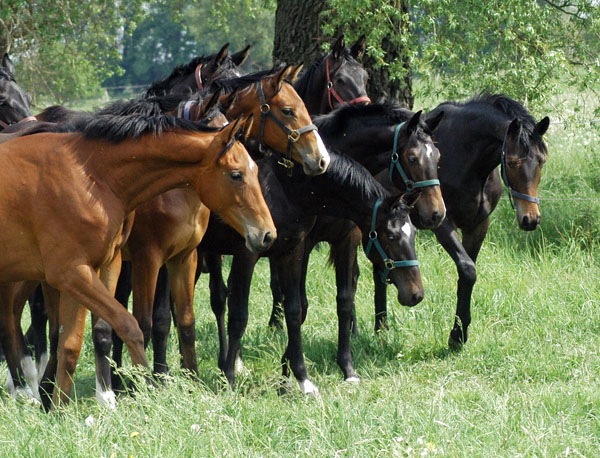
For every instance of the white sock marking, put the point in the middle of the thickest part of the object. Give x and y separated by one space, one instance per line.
105 397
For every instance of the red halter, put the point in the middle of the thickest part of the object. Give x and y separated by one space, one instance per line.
198 75
331 91
27 119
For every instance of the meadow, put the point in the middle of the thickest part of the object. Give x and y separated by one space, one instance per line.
526 383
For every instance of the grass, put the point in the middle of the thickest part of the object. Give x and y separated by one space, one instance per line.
526 383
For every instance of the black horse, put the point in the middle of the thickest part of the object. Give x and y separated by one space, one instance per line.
346 190
14 101
474 138
335 79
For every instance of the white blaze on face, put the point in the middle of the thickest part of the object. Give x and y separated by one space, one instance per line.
429 150
322 149
252 164
407 229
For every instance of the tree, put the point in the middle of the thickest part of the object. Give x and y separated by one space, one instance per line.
64 49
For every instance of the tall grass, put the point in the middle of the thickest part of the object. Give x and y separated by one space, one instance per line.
526 383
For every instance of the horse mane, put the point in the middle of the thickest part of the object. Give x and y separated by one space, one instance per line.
230 85
385 113
116 129
4 74
511 109
161 87
151 106
343 170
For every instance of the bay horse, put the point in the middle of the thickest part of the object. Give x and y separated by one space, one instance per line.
347 190
150 247
87 181
475 138
14 101
335 79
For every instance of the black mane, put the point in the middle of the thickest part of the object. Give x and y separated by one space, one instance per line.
230 85
301 85
162 87
512 110
4 74
347 172
116 129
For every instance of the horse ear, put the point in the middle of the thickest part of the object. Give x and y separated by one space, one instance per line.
222 55
276 81
338 48
234 128
7 64
410 198
248 126
240 57
358 49
414 122
214 99
228 100
434 121
542 126
295 72
514 129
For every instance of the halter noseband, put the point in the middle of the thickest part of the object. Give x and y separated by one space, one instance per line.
513 192
373 241
293 135
331 91
395 164
4 125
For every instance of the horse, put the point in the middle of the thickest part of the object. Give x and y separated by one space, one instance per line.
88 178
346 190
14 101
200 72
474 138
159 229
335 79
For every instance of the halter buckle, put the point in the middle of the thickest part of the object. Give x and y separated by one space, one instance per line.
294 136
265 108
286 163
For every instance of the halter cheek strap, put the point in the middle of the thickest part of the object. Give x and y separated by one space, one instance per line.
293 135
395 165
512 192
373 241
332 92
198 75
186 110
27 119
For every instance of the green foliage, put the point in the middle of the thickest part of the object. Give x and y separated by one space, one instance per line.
65 49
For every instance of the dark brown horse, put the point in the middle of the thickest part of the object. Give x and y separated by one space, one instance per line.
14 101
70 232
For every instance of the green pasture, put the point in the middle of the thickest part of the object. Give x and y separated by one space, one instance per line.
526 383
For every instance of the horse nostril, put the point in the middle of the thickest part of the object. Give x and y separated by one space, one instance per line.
268 239
416 298
323 163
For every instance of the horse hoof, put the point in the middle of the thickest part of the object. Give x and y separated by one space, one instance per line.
353 379
309 389
454 344
106 399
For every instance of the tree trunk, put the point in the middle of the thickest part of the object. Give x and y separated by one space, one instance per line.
297 31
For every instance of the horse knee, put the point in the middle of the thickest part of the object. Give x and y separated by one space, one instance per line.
102 338
467 272
187 334
130 332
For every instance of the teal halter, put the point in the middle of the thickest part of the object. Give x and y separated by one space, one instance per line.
410 184
389 263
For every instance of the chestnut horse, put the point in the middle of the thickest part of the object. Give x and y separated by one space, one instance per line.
67 228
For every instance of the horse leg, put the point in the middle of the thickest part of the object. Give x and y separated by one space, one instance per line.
289 269
36 334
52 300
345 257
161 321
102 338
145 274
447 236
182 270
277 311
355 275
218 298
380 296
122 293
22 378
242 268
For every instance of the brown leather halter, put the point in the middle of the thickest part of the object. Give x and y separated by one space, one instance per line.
331 91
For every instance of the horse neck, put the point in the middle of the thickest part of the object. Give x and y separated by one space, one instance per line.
139 169
329 196
314 93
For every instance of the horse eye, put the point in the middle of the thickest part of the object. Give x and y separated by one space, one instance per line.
287 111
512 164
413 160
237 176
